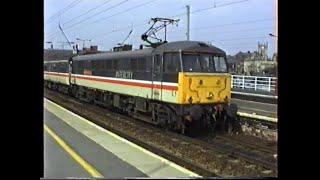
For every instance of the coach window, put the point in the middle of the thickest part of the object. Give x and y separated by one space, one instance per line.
75 67
64 67
94 66
87 65
80 67
54 67
57 67
60 67
45 67
51 67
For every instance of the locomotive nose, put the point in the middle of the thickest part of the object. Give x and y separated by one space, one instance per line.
204 88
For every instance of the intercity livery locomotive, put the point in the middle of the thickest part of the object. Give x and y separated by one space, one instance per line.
183 85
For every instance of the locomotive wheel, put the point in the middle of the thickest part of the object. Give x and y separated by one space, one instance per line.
180 126
162 117
230 128
168 120
236 126
213 123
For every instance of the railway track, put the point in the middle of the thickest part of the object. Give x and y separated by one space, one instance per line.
236 149
255 153
207 157
250 142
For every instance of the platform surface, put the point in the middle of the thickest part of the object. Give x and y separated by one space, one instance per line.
107 153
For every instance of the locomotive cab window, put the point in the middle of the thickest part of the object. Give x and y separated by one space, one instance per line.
191 63
203 63
220 64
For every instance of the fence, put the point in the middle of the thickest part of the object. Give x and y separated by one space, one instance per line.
254 83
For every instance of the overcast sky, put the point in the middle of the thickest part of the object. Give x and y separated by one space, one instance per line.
233 25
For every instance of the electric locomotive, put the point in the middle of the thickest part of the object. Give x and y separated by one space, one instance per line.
184 86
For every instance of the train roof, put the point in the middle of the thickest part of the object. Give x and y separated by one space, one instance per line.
111 55
56 61
189 46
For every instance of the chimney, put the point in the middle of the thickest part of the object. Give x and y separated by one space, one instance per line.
51 46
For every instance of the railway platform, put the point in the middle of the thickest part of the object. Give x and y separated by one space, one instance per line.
258 108
76 147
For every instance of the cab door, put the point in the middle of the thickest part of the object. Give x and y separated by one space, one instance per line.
157 77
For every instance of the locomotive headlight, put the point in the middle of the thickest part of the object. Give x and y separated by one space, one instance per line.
210 95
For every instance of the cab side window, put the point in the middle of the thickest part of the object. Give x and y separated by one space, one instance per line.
172 63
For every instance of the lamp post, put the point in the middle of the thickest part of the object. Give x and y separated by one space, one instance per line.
275 36
272 35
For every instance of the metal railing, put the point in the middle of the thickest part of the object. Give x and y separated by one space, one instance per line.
254 83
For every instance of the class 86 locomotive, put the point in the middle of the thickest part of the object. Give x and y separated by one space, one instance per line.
184 86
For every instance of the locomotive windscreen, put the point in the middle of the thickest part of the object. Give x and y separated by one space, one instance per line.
203 63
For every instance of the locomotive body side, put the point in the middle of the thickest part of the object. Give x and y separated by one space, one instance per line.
179 85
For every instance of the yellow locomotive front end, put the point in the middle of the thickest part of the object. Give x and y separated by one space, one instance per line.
195 87
204 79
204 88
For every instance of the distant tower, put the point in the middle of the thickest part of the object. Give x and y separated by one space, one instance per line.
263 51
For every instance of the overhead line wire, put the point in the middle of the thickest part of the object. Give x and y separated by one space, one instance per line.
60 12
96 7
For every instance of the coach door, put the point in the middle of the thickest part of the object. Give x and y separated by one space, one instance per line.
157 77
